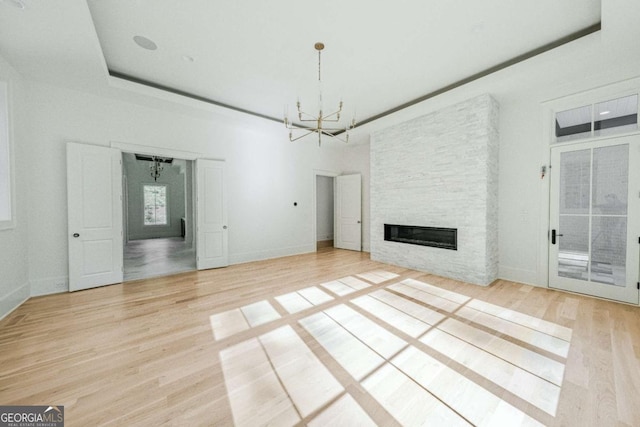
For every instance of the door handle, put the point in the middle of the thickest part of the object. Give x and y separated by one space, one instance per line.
76 235
554 235
224 227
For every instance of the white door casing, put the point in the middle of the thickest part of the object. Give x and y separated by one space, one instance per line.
94 200
594 209
212 248
348 212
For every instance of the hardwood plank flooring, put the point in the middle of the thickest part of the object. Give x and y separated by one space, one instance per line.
330 338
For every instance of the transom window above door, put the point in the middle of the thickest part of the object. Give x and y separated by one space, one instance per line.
615 116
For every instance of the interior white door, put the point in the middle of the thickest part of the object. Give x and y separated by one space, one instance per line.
212 248
94 200
348 212
594 211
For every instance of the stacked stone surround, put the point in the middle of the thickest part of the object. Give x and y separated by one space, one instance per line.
440 170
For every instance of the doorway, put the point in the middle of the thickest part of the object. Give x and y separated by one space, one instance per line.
324 211
158 213
337 210
594 211
96 214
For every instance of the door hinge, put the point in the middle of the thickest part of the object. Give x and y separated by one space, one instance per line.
638 285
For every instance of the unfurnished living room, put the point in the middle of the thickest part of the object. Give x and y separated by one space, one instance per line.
334 213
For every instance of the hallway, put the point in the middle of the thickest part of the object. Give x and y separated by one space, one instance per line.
157 257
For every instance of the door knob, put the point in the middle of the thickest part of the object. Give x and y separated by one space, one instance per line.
358 221
553 236
224 227
76 235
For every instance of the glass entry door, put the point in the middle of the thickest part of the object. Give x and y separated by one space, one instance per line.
595 218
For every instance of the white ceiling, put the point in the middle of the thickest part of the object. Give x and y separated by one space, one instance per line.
259 55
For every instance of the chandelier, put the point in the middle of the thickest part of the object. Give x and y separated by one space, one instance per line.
156 167
315 122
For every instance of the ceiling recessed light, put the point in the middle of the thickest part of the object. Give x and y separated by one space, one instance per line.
145 43
188 58
604 113
17 4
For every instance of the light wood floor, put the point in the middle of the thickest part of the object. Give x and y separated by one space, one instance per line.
323 339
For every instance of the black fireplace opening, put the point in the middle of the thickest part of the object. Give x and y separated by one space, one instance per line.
438 237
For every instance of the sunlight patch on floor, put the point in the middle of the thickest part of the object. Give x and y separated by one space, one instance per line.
475 403
343 412
237 320
408 402
275 377
408 344
231 322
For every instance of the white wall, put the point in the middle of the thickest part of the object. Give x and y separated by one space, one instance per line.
14 273
266 173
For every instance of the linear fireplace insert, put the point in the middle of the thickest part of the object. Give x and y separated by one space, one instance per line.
446 238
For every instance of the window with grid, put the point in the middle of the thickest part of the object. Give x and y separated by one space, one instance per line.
155 204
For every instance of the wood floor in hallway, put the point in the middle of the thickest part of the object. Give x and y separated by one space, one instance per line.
329 338
147 258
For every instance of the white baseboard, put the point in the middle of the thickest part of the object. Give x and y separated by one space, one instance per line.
270 254
50 285
527 277
13 300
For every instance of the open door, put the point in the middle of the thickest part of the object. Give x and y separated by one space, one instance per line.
348 212
94 190
212 248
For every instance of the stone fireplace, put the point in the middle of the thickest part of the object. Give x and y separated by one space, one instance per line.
439 172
